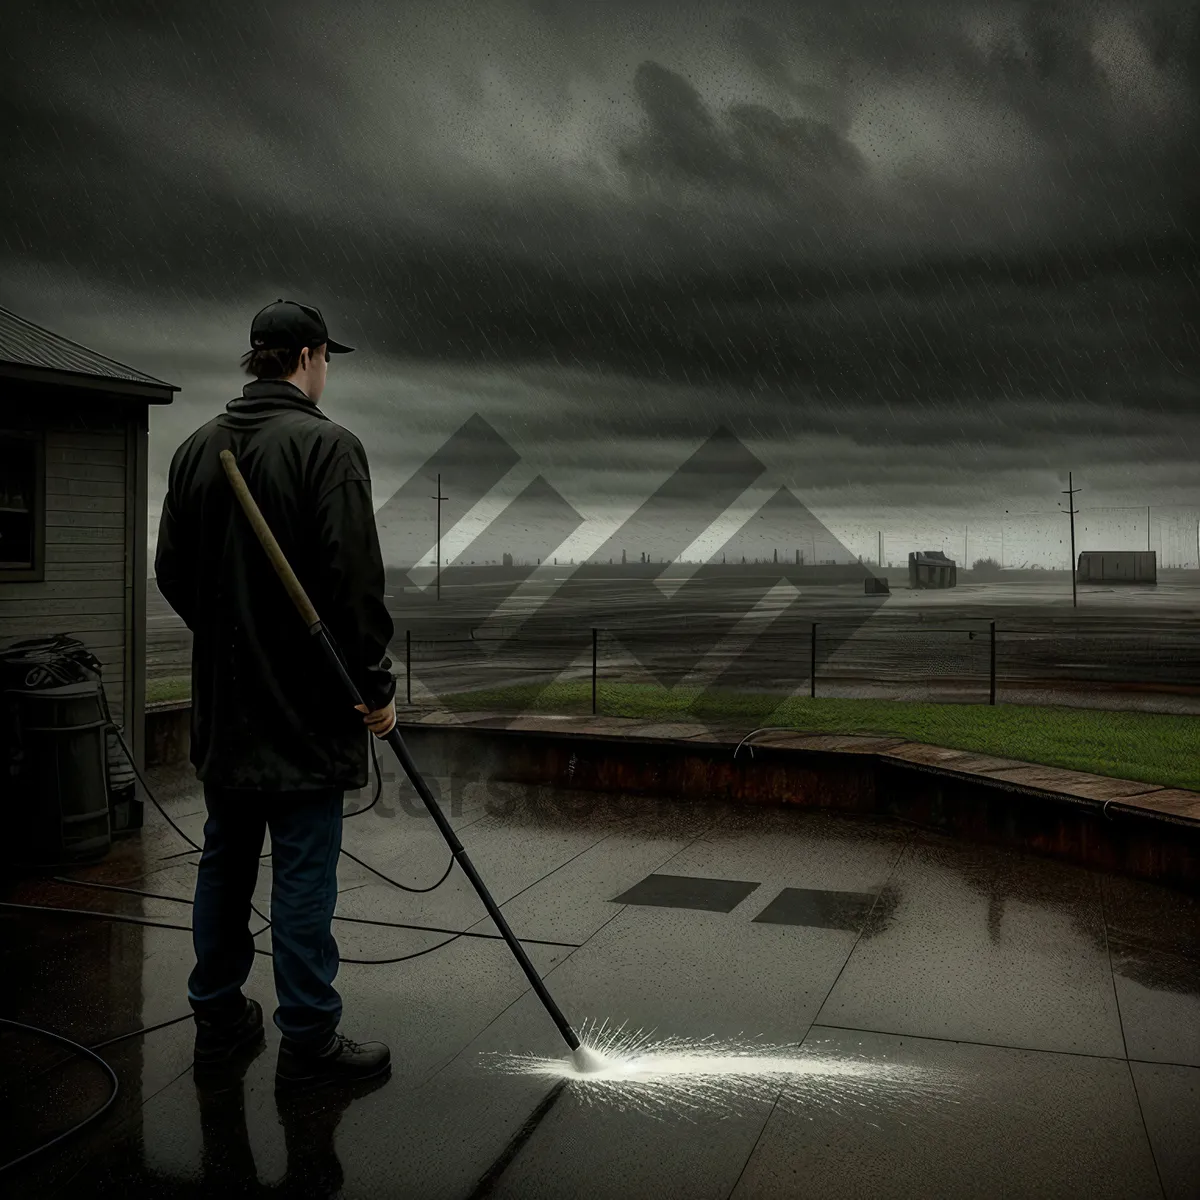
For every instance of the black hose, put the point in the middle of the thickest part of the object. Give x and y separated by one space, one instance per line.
112 1077
55 671
132 920
358 812
112 887
121 1037
347 816
401 886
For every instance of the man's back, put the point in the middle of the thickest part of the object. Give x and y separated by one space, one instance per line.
264 712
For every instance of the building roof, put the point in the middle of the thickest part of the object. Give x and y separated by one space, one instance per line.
29 352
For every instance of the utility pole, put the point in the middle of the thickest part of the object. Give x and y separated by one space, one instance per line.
1071 490
1147 527
439 498
966 533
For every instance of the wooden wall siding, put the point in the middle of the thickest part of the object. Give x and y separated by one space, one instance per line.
86 591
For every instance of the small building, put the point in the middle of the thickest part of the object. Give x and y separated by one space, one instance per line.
1117 566
931 569
74 427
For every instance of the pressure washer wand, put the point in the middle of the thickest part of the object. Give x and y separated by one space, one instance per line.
315 627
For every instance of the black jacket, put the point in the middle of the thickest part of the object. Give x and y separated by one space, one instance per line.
267 710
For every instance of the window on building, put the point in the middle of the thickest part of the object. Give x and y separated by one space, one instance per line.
21 521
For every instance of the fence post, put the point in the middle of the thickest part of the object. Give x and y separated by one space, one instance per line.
992 695
812 673
593 670
408 664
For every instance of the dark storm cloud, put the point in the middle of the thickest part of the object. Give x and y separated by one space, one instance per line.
953 226
759 149
211 143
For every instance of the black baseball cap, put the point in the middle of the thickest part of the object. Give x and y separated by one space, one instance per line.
293 326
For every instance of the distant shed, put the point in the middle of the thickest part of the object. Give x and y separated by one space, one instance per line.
1117 566
931 569
74 427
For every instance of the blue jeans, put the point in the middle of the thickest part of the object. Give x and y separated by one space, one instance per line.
306 837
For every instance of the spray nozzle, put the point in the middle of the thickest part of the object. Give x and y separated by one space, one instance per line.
587 1060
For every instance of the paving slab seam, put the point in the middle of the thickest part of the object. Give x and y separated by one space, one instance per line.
595 932
565 863
775 1103
138 919
904 847
438 1070
1112 975
62 1188
1162 1062
931 1037
495 1172
603 925
586 850
757 1141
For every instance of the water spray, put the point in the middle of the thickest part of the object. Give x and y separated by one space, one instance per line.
678 1077
584 1060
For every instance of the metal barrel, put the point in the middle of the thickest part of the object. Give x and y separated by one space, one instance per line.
61 804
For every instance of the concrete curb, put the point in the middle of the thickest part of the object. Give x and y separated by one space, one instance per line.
1140 829
1102 791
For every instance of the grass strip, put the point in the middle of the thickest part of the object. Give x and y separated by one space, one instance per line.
1153 748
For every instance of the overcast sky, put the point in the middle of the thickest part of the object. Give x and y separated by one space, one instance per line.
920 260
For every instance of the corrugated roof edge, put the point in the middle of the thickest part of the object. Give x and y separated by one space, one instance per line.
132 374
111 385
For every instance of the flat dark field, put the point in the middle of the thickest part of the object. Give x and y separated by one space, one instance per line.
1122 646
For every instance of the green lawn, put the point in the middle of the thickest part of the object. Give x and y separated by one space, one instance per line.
1153 748
172 687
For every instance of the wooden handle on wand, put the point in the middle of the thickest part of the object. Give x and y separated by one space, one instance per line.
259 523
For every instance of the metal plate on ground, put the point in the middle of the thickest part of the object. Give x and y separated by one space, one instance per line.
687 891
820 909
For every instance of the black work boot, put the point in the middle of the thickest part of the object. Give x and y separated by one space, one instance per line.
339 1061
221 1041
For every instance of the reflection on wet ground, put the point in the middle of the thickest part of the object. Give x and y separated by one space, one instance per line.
800 1003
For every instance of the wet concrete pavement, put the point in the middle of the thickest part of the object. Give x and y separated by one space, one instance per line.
1001 1024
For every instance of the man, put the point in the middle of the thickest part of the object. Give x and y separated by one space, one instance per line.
274 739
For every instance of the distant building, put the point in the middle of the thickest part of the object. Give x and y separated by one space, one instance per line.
1117 566
508 560
931 569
